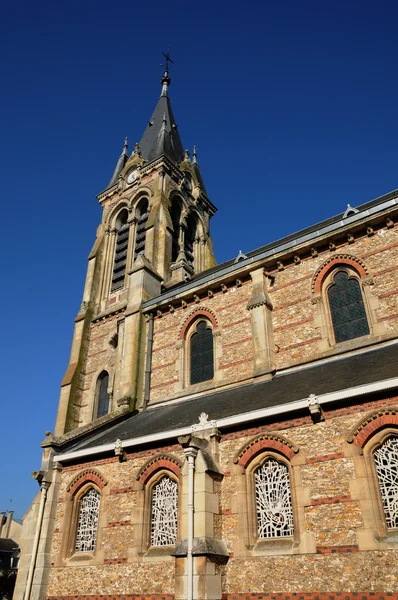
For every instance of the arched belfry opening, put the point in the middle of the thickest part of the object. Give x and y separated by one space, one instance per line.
175 215
142 215
122 241
189 239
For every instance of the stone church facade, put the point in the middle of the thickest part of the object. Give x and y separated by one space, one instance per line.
224 431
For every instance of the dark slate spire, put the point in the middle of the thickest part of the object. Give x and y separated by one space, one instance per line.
120 164
161 135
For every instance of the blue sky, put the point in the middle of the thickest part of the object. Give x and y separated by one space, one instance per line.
292 106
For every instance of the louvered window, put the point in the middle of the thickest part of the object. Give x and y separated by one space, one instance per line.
175 214
140 232
119 266
347 308
190 234
202 355
102 395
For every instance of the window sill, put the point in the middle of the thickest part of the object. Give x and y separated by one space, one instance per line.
273 546
159 553
82 558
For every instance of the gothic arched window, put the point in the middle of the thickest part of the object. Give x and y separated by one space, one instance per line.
273 500
87 523
201 353
347 308
102 395
140 232
122 240
386 463
175 215
164 512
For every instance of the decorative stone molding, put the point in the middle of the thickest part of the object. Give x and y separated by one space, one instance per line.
335 260
124 401
156 463
261 443
86 476
199 310
371 423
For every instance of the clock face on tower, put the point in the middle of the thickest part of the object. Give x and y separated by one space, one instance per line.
132 176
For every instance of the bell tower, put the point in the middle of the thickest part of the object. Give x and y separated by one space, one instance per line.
154 233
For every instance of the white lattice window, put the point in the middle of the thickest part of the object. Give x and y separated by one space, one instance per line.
88 521
164 512
386 461
273 500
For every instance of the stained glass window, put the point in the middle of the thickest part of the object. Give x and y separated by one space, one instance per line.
386 461
164 512
347 308
273 500
202 357
140 232
122 240
102 394
88 521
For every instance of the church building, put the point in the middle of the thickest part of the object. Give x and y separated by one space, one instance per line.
224 431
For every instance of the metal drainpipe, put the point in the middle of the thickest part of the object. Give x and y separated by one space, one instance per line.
43 488
191 454
148 364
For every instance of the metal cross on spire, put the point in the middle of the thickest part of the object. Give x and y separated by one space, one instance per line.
168 59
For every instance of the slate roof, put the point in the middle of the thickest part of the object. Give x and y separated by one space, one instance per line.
161 135
336 374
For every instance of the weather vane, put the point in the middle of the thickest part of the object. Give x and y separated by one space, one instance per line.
168 59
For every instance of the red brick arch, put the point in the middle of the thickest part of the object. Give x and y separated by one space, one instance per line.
205 312
339 260
361 433
261 444
157 463
87 476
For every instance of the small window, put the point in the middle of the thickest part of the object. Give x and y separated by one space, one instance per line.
273 500
386 462
122 241
201 353
102 395
87 525
347 308
140 233
164 512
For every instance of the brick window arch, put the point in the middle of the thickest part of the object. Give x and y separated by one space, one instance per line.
272 508
160 480
376 435
82 530
344 306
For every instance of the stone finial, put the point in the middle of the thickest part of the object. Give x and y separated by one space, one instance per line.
204 423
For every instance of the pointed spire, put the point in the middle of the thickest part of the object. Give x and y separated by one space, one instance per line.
194 156
120 164
161 135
